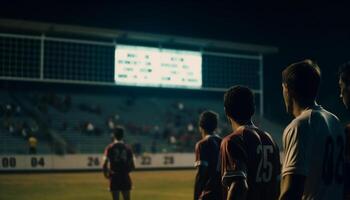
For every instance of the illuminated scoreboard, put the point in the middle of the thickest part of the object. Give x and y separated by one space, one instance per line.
144 66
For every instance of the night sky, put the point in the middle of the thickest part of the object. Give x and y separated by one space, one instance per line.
305 30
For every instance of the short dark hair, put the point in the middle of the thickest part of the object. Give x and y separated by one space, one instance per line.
239 103
118 132
303 81
208 121
344 73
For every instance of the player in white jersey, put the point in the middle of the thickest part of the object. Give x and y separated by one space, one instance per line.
313 143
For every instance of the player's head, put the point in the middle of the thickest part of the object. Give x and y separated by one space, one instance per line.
300 82
118 133
344 84
208 122
239 104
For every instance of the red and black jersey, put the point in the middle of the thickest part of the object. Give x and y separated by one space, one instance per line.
251 154
120 158
208 180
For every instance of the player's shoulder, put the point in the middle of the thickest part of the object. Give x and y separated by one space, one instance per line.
235 135
265 134
202 142
234 142
299 122
127 146
217 138
329 113
308 119
302 119
118 145
296 127
314 115
252 130
252 134
110 145
320 111
212 138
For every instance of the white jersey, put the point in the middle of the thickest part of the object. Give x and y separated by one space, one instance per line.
314 147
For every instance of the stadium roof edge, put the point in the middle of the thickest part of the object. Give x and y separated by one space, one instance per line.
43 28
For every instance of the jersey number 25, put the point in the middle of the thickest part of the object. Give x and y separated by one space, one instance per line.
264 172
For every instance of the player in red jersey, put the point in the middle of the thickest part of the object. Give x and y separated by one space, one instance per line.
208 184
250 163
118 163
344 84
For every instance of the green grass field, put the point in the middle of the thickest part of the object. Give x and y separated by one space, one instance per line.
148 185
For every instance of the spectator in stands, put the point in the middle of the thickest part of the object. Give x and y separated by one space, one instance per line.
33 142
8 110
154 146
24 132
110 123
137 148
156 134
24 129
166 131
180 106
11 129
173 142
190 127
90 128
18 110
185 141
87 128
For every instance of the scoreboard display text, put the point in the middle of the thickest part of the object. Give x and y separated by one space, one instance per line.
145 66
89 162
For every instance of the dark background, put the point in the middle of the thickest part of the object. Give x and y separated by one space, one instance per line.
320 31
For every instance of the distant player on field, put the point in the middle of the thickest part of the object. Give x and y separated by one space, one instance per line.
344 84
118 163
313 143
208 181
250 163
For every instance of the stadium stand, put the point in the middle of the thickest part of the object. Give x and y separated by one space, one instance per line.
81 123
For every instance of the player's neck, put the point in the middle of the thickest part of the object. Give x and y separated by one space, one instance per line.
235 125
118 141
204 135
297 109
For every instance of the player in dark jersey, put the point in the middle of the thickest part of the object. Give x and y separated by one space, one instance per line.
250 163
344 84
118 163
208 180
